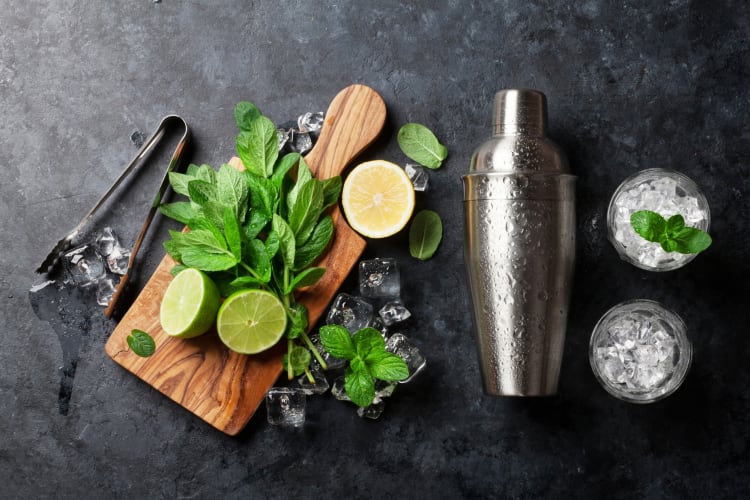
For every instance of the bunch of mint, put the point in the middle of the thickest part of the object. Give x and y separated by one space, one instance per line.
671 234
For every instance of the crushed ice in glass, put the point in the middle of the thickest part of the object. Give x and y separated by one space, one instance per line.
286 406
419 176
319 387
351 312
379 278
664 196
373 411
401 346
637 354
393 312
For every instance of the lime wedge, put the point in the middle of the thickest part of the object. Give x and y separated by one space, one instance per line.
251 321
189 306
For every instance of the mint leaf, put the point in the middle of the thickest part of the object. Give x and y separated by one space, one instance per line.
649 225
331 191
181 211
420 144
179 182
360 387
244 115
687 240
257 146
315 244
337 341
202 250
425 234
388 367
305 210
287 244
299 359
141 343
232 190
307 277
232 233
366 340
298 321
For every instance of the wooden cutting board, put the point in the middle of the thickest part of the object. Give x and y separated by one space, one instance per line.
220 386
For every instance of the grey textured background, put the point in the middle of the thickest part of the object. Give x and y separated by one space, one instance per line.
630 85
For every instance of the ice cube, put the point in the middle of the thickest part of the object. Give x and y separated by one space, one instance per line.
319 387
384 389
285 406
393 312
311 122
353 313
373 411
117 261
338 390
104 291
400 345
107 241
83 265
299 142
419 176
380 278
282 137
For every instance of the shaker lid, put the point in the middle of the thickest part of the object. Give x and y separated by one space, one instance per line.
520 111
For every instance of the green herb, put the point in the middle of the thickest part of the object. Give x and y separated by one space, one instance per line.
420 144
141 343
368 360
671 234
260 228
425 234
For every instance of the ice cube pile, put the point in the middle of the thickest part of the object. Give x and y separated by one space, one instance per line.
378 305
298 136
99 264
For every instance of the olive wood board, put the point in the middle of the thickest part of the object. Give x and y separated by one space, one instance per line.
220 386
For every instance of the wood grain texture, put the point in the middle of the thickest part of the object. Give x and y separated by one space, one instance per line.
220 386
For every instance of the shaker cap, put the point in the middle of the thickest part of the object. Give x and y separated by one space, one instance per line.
520 111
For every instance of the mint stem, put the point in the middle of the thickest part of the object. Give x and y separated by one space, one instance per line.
314 351
289 369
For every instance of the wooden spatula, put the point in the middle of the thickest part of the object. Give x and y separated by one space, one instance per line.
222 387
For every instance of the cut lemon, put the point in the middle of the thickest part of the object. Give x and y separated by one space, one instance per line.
189 306
251 321
378 198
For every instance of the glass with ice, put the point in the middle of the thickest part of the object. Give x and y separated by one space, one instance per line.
665 192
639 351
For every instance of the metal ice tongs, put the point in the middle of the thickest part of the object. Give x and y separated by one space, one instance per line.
152 141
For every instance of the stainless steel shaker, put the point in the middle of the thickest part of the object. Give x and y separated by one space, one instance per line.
519 248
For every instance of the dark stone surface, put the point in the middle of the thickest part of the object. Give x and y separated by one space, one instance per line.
630 85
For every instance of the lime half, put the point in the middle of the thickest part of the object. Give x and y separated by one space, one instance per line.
189 306
251 321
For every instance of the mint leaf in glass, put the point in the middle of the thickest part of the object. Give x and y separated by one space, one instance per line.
671 234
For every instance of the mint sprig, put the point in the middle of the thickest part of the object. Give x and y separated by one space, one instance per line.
368 360
671 234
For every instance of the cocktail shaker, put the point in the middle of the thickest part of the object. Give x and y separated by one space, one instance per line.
519 248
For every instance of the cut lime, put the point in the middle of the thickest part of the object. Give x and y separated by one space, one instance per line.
189 306
251 321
